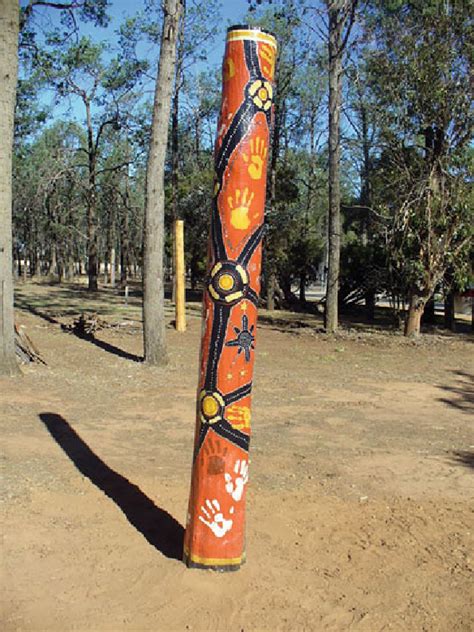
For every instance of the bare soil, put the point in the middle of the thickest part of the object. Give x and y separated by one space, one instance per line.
360 505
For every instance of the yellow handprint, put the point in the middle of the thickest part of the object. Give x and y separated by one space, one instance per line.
258 153
240 209
239 417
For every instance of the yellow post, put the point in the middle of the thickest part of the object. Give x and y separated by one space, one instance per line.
180 289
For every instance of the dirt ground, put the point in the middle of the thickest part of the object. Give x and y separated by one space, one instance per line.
360 504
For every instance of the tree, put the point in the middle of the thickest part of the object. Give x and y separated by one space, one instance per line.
292 246
48 189
9 25
360 272
10 22
153 287
81 71
424 182
341 15
338 16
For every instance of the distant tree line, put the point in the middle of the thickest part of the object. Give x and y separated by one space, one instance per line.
370 174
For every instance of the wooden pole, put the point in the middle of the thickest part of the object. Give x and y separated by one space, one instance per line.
215 528
180 293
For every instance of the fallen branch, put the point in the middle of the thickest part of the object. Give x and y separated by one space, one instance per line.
25 349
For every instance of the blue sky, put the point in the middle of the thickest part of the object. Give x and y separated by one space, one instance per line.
232 11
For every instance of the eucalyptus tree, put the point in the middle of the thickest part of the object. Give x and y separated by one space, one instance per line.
420 68
362 272
14 22
153 279
199 105
9 23
48 213
82 71
340 19
294 72
330 22
197 30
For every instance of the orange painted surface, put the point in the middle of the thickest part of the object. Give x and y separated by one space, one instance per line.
215 529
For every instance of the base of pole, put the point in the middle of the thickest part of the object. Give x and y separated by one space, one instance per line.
213 564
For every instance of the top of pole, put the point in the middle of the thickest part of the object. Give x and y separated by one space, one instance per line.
246 32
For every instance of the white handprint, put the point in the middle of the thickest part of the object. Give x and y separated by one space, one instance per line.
236 487
214 519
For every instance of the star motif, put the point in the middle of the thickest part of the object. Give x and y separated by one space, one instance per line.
244 338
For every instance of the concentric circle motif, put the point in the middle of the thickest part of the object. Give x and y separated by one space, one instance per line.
227 283
261 93
211 407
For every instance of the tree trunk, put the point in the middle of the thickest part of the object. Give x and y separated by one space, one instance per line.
415 312
174 123
175 149
18 262
370 304
194 269
429 314
365 200
92 248
53 263
334 214
303 288
112 266
124 250
449 313
270 266
9 16
153 282
271 285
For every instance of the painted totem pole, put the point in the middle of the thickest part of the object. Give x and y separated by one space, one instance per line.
215 529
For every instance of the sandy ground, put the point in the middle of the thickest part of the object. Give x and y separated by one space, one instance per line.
360 505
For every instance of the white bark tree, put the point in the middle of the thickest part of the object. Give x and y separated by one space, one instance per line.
9 25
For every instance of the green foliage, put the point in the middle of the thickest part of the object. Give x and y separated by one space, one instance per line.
407 158
419 69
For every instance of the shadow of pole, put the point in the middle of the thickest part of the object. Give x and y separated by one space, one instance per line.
106 346
159 528
463 457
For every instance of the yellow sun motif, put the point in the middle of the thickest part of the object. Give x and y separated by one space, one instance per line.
226 282
212 406
209 406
